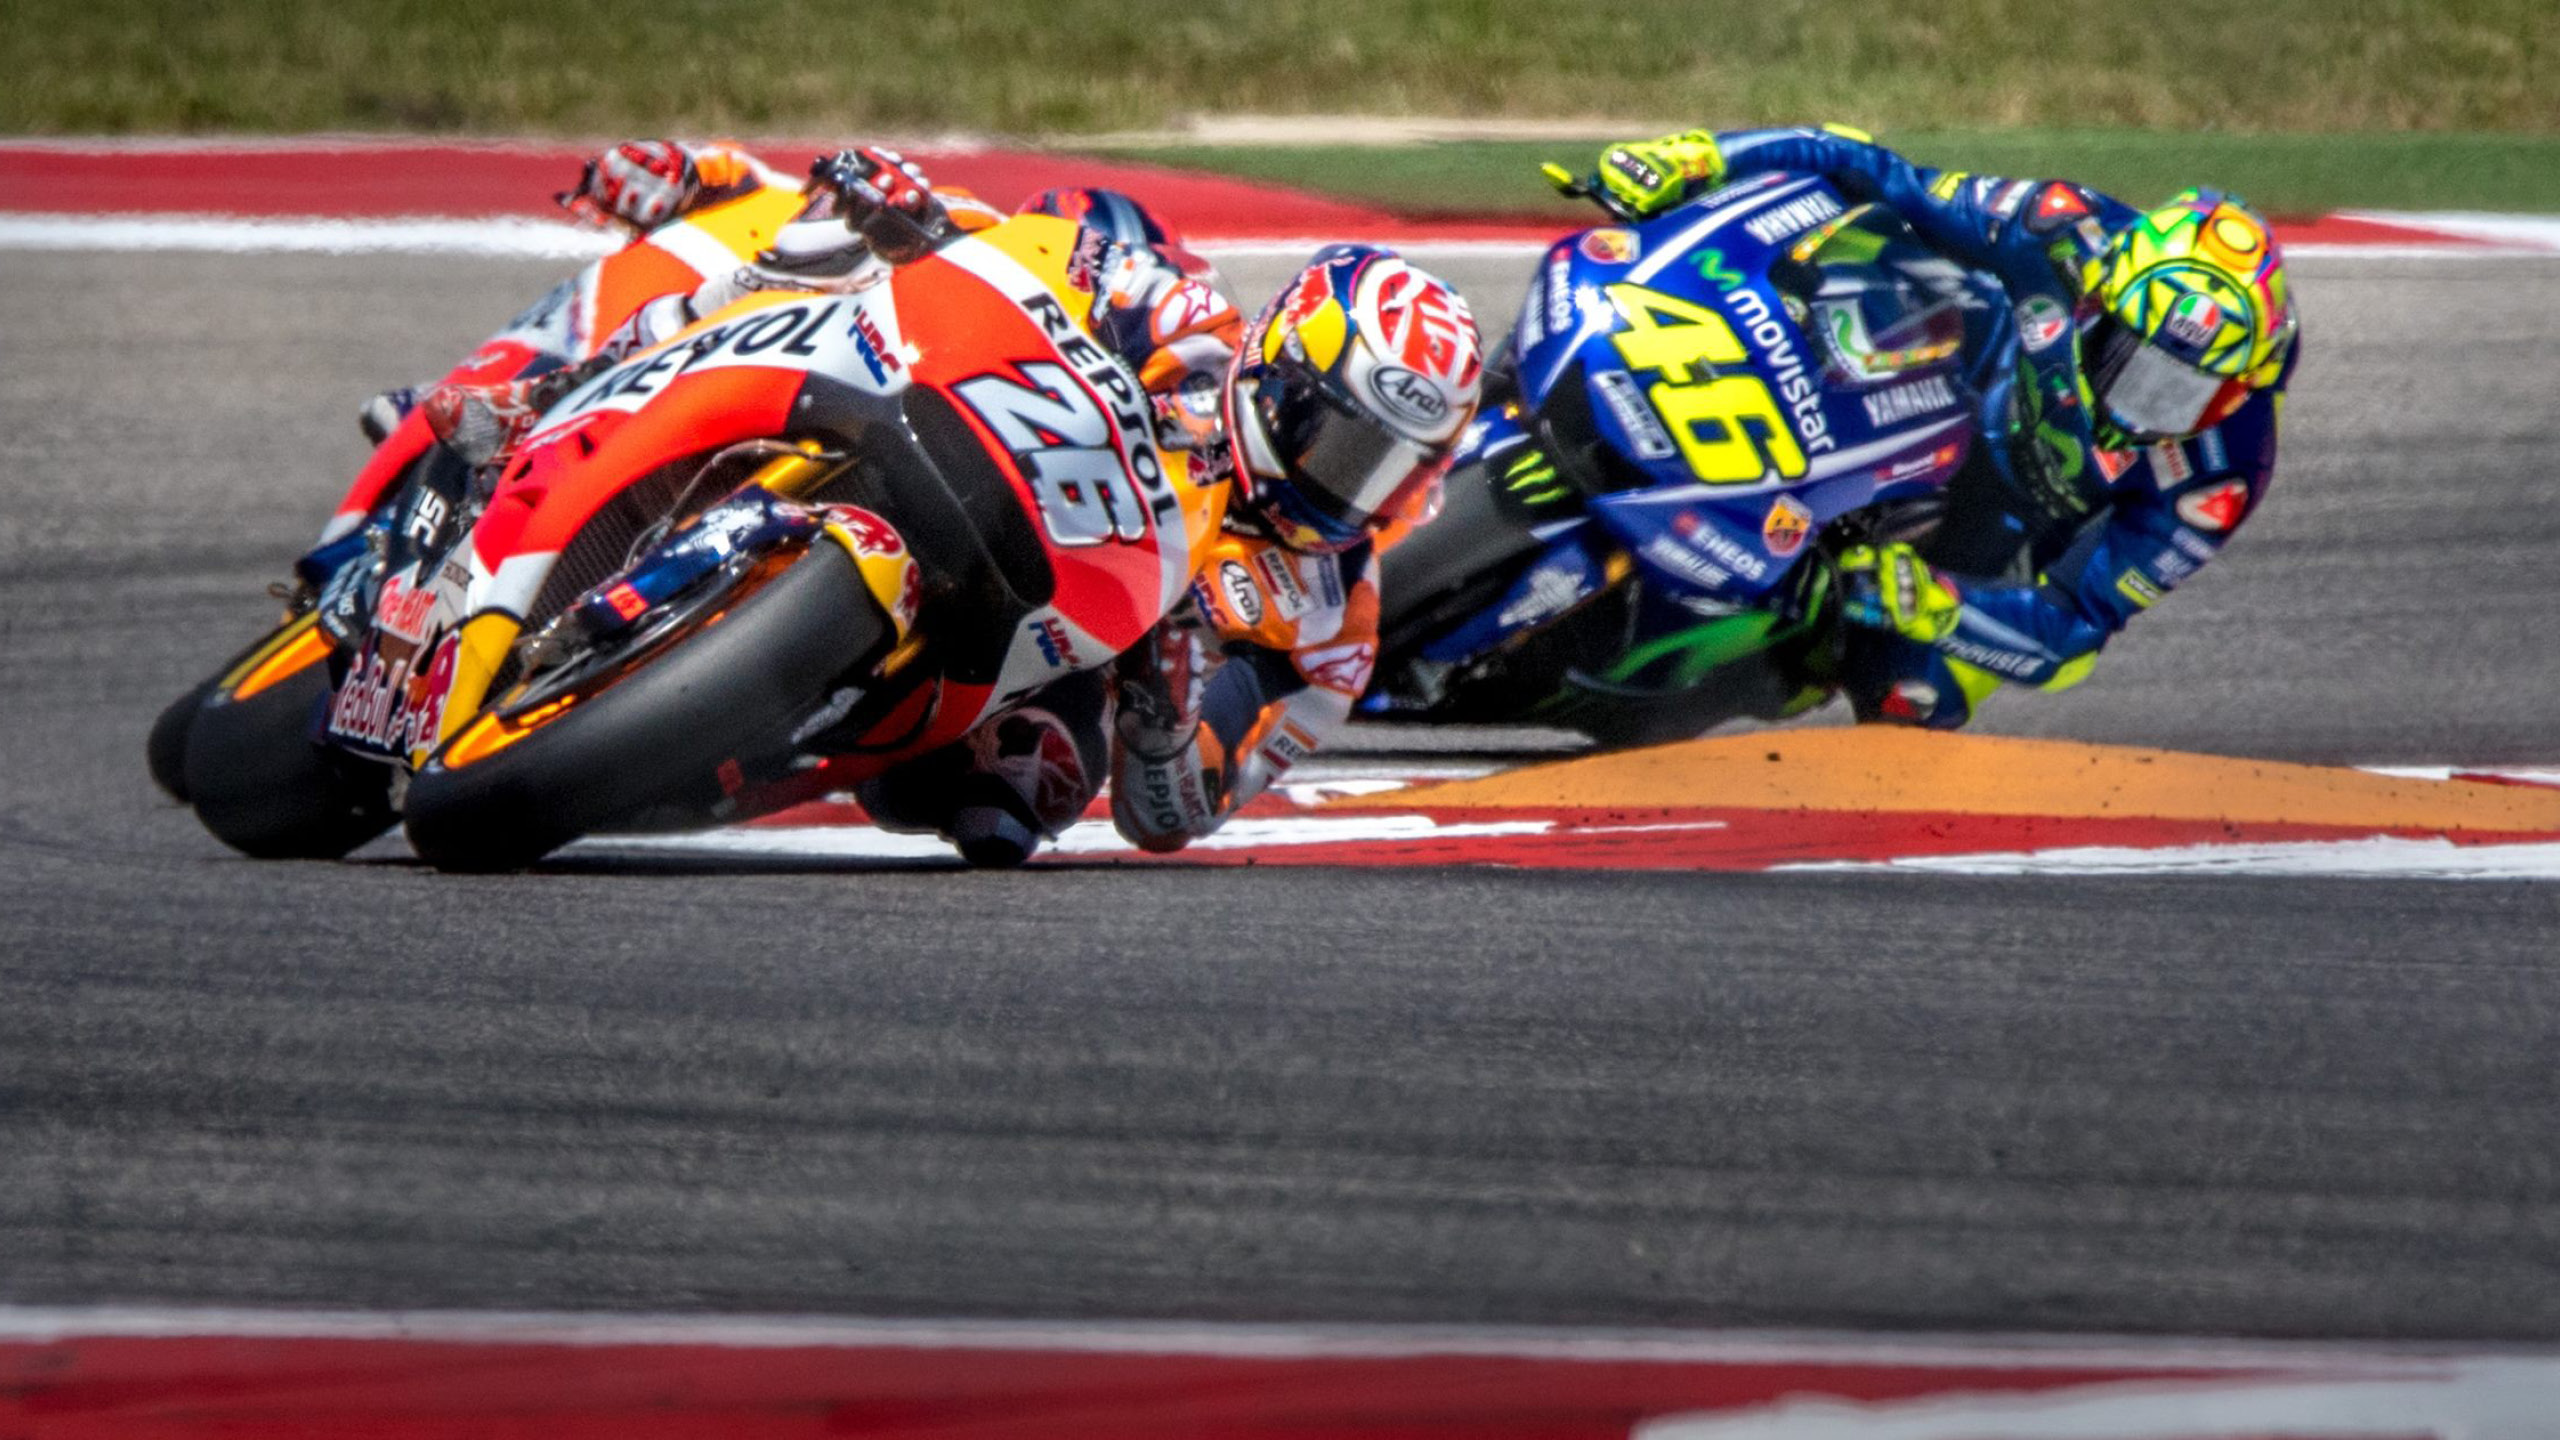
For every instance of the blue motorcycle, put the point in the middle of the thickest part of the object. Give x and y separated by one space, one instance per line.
1730 394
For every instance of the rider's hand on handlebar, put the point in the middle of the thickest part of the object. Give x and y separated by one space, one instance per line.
1646 177
885 197
1890 587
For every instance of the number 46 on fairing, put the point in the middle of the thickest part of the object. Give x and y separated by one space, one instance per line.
1729 428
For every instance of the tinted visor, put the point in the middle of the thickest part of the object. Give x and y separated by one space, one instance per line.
2145 391
1345 467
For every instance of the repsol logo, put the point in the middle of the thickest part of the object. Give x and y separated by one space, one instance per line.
1132 414
783 330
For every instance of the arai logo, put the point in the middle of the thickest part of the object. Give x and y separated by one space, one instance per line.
1408 396
1243 596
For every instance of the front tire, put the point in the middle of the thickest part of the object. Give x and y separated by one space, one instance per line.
520 781
263 788
166 750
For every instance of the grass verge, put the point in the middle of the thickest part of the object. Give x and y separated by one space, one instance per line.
1063 66
2280 174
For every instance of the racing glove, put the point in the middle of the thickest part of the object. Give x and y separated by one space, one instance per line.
884 197
1168 779
1647 177
1158 684
482 422
1891 588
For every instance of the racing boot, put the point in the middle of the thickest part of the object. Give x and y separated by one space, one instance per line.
481 423
1016 780
382 414
1029 781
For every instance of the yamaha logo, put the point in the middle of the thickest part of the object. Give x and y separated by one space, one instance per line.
1408 396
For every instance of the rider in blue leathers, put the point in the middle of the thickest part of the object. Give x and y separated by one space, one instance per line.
2130 404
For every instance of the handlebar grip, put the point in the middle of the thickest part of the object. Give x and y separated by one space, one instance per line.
1585 187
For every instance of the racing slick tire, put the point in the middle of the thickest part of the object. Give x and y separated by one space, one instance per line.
259 783
663 727
167 748
1442 571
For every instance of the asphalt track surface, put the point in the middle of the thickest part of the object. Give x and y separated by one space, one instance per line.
2199 1105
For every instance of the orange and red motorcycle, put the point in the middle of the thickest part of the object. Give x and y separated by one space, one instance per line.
802 541
566 326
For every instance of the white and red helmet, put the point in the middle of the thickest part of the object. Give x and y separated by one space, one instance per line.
639 183
1348 396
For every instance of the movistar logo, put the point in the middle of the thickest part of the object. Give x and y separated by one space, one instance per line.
1714 271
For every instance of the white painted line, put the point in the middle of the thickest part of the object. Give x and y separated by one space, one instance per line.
369 142
1085 837
2541 776
2323 251
2379 858
2539 232
1427 251
2375 858
48 1324
317 144
2475 1399
498 238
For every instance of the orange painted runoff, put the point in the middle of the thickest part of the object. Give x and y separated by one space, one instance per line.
1875 768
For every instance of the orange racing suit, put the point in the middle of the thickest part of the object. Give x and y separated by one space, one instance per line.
1247 675
1246 678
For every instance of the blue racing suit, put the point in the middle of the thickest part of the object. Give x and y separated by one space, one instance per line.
2053 542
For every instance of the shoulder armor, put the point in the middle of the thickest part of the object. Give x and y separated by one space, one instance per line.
2058 206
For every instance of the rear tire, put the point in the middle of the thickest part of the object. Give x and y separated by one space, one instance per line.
657 731
263 788
1432 578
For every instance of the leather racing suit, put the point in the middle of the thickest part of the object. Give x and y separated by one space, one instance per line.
1246 676
2051 542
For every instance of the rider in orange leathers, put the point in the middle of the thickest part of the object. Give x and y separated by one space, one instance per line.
1332 414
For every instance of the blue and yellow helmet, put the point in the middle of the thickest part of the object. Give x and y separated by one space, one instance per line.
2187 313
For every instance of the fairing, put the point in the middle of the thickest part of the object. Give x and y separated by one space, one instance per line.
1731 377
984 417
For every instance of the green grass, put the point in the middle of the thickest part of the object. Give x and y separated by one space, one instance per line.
2280 174
1045 67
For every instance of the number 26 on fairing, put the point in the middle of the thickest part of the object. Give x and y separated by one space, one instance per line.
1729 428
1061 438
